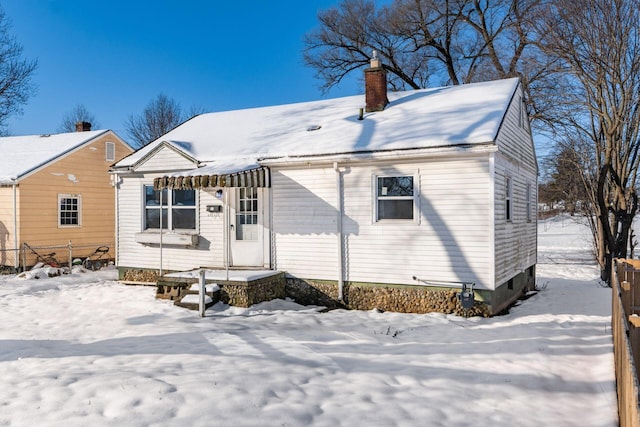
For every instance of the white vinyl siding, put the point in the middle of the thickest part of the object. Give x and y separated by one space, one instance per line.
304 222
450 241
515 240
514 138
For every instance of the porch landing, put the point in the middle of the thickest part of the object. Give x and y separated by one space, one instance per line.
242 288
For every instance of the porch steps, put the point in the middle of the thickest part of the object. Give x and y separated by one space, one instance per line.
240 288
190 297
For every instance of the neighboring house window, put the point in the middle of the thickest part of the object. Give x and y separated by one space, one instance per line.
177 209
395 197
508 203
110 151
69 210
528 202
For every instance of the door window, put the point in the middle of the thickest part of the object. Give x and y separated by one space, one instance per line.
247 214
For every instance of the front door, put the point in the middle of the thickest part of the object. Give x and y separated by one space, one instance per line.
246 229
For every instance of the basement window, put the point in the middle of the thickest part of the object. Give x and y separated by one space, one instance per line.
395 198
69 210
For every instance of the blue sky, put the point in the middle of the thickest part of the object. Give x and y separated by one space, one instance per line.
115 56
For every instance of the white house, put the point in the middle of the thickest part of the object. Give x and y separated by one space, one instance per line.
361 202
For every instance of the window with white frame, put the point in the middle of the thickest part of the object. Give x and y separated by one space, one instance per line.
110 151
395 197
528 195
508 207
176 209
69 210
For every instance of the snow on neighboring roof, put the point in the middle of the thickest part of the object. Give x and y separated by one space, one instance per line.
465 114
22 154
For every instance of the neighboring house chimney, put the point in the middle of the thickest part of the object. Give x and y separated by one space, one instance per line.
83 126
375 83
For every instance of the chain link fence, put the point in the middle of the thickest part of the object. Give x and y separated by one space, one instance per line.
93 255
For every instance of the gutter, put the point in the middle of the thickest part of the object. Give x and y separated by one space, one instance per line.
441 151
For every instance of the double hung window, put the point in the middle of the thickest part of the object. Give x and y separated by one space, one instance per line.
395 197
69 210
175 209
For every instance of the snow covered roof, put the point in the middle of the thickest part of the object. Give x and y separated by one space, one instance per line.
23 154
236 140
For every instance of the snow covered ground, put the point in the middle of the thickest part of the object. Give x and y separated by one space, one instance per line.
83 350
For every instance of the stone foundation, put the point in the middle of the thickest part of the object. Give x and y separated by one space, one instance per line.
397 298
138 275
245 294
358 296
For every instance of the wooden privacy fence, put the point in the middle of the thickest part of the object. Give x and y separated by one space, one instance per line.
625 323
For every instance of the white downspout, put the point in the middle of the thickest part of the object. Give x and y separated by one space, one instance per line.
339 232
161 191
115 180
227 232
15 227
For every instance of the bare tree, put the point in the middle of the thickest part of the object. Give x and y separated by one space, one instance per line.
598 42
78 114
566 165
426 42
15 73
160 116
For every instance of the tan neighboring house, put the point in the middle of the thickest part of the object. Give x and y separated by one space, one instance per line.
55 189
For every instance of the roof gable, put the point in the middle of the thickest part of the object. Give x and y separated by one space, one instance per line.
22 155
514 136
164 156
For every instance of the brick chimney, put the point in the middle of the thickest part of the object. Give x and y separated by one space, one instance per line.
375 83
83 126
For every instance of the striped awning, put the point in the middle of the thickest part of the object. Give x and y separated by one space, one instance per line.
250 178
